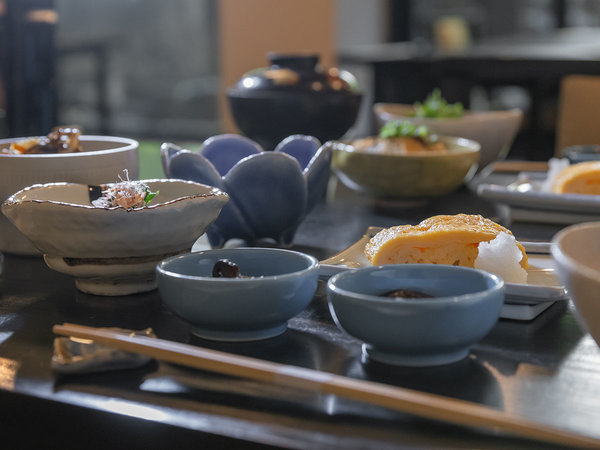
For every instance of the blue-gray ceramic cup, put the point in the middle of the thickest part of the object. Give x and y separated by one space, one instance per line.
275 286
464 307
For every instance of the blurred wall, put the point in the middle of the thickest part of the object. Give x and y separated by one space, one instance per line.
249 29
139 68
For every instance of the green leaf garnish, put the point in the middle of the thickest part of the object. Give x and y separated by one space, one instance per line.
149 195
435 106
400 128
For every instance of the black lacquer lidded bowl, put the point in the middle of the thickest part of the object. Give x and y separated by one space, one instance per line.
294 95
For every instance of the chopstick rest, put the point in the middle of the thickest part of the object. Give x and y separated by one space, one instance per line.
80 356
421 404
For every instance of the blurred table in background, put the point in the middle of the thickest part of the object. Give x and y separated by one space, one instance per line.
405 72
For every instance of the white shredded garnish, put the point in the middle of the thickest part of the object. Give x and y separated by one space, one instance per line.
502 257
125 194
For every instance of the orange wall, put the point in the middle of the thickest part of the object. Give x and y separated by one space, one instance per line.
249 29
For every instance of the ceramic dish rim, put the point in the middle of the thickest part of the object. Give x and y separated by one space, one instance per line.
466 147
12 201
468 116
471 297
127 144
549 201
558 252
313 266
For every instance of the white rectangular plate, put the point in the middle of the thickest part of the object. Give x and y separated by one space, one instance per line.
522 302
528 203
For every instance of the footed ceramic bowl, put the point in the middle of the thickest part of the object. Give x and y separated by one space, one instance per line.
494 130
276 285
102 159
415 175
113 251
271 191
465 305
576 253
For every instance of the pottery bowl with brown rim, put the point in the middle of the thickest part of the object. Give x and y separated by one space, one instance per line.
113 251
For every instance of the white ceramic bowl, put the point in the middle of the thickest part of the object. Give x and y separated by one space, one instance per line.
494 130
576 253
103 159
113 251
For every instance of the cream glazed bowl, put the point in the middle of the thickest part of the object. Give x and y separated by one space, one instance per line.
495 131
113 251
102 158
576 254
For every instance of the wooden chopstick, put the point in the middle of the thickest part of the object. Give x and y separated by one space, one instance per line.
409 401
519 166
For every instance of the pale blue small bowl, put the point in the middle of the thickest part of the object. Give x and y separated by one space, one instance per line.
279 285
465 306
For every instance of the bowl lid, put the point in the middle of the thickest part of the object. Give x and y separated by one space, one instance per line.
295 72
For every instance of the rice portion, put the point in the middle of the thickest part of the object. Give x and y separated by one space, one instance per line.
502 257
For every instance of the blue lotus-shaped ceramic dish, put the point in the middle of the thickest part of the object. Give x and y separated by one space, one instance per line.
270 191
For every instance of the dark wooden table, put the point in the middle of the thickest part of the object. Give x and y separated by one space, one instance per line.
546 369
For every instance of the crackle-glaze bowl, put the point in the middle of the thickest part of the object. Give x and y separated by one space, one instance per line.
274 286
113 251
270 191
576 253
102 159
413 175
494 130
464 306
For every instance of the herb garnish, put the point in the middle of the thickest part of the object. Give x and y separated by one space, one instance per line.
399 128
435 106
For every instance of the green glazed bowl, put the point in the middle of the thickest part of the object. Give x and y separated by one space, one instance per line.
424 174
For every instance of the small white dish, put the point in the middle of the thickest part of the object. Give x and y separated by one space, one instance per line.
522 301
113 251
527 202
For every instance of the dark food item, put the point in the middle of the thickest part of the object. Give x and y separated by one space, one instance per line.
224 268
59 140
406 293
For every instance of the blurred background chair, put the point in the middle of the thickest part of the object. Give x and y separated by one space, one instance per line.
579 105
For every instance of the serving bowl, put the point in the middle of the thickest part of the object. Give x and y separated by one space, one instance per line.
102 159
422 174
494 130
464 307
271 192
276 284
576 254
113 251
